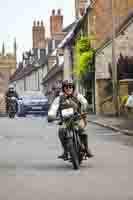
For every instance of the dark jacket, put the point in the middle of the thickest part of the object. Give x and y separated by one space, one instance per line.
11 94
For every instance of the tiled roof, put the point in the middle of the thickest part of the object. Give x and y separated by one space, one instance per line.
69 27
24 71
76 26
56 69
27 70
68 37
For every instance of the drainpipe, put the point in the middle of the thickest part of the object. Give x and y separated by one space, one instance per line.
114 64
94 84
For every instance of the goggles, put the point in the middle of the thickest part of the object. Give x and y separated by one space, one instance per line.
68 86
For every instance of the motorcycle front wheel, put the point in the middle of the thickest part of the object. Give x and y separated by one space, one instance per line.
11 115
73 154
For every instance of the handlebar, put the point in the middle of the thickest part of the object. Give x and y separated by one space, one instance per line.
74 117
12 98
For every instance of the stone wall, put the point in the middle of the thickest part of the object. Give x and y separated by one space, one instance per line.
7 68
126 89
51 86
104 103
101 15
124 46
4 80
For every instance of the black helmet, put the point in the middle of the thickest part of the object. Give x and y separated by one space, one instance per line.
11 88
66 83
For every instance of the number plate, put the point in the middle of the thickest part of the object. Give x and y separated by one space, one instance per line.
67 112
36 108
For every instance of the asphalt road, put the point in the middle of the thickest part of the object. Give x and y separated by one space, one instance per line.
29 168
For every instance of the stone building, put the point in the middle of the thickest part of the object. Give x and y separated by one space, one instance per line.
7 68
123 52
100 24
101 17
28 76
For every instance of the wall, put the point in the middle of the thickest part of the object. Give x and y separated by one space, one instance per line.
31 82
20 86
7 68
101 14
123 45
67 64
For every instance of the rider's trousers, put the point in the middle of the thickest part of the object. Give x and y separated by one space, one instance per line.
62 137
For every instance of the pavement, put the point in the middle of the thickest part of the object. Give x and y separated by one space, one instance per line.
3 115
117 124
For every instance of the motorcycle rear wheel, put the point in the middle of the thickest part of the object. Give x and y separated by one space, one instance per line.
11 115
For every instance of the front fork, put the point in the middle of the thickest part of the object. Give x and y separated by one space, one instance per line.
72 135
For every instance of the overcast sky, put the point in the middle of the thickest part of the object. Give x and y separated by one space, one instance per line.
17 16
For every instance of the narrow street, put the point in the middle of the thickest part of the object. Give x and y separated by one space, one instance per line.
29 168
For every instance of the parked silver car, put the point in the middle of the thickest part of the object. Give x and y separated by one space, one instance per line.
32 103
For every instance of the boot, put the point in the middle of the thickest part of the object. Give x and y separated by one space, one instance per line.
64 156
87 150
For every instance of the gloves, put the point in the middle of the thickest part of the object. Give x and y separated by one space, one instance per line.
50 119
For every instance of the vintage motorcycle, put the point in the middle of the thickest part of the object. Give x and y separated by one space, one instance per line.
74 145
12 106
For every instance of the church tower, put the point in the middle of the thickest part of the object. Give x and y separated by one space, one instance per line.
3 49
7 68
15 47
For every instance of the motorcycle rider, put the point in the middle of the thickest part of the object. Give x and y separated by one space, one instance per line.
11 93
70 98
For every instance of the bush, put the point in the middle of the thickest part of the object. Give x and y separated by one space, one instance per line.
84 57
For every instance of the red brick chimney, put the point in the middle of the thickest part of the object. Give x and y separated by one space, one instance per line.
38 35
56 25
80 7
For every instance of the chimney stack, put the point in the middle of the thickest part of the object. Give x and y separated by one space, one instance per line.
38 35
80 7
56 23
